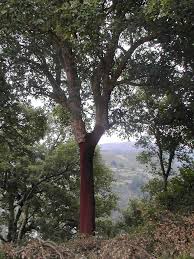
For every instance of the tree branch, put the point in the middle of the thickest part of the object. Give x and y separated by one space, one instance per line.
160 155
127 56
46 178
170 159
101 74
58 94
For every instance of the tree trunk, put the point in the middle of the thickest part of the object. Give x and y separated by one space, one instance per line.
87 200
165 183
11 227
21 231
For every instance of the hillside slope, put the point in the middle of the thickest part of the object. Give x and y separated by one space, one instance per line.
129 174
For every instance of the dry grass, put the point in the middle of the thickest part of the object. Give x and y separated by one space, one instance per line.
170 237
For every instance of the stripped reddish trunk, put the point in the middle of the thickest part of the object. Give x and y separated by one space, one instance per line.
87 200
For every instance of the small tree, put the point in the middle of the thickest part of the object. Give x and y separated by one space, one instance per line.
165 137
179 195
160 114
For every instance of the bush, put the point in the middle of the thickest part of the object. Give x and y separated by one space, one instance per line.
106 228
179 195
2 255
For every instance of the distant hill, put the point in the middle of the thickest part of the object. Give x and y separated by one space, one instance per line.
120 146
121 155
129 174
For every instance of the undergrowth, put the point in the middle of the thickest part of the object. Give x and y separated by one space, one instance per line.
171 237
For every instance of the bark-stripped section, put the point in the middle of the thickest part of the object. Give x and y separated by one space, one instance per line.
87 200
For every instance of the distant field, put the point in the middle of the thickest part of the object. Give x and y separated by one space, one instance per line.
129 174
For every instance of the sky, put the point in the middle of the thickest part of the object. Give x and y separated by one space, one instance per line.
111 139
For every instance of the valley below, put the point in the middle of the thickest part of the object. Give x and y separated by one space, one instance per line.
129 174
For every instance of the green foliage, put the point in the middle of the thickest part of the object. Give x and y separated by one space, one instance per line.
179 195
169 8
173 21
42 183
18 161
184 257
61 115
2 255
159 114
18 121
153 187
106 228
141 214
87 29
180 192
133 214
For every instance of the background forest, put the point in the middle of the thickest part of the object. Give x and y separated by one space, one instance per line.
96 67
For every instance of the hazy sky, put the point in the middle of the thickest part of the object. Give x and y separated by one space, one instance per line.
110 139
